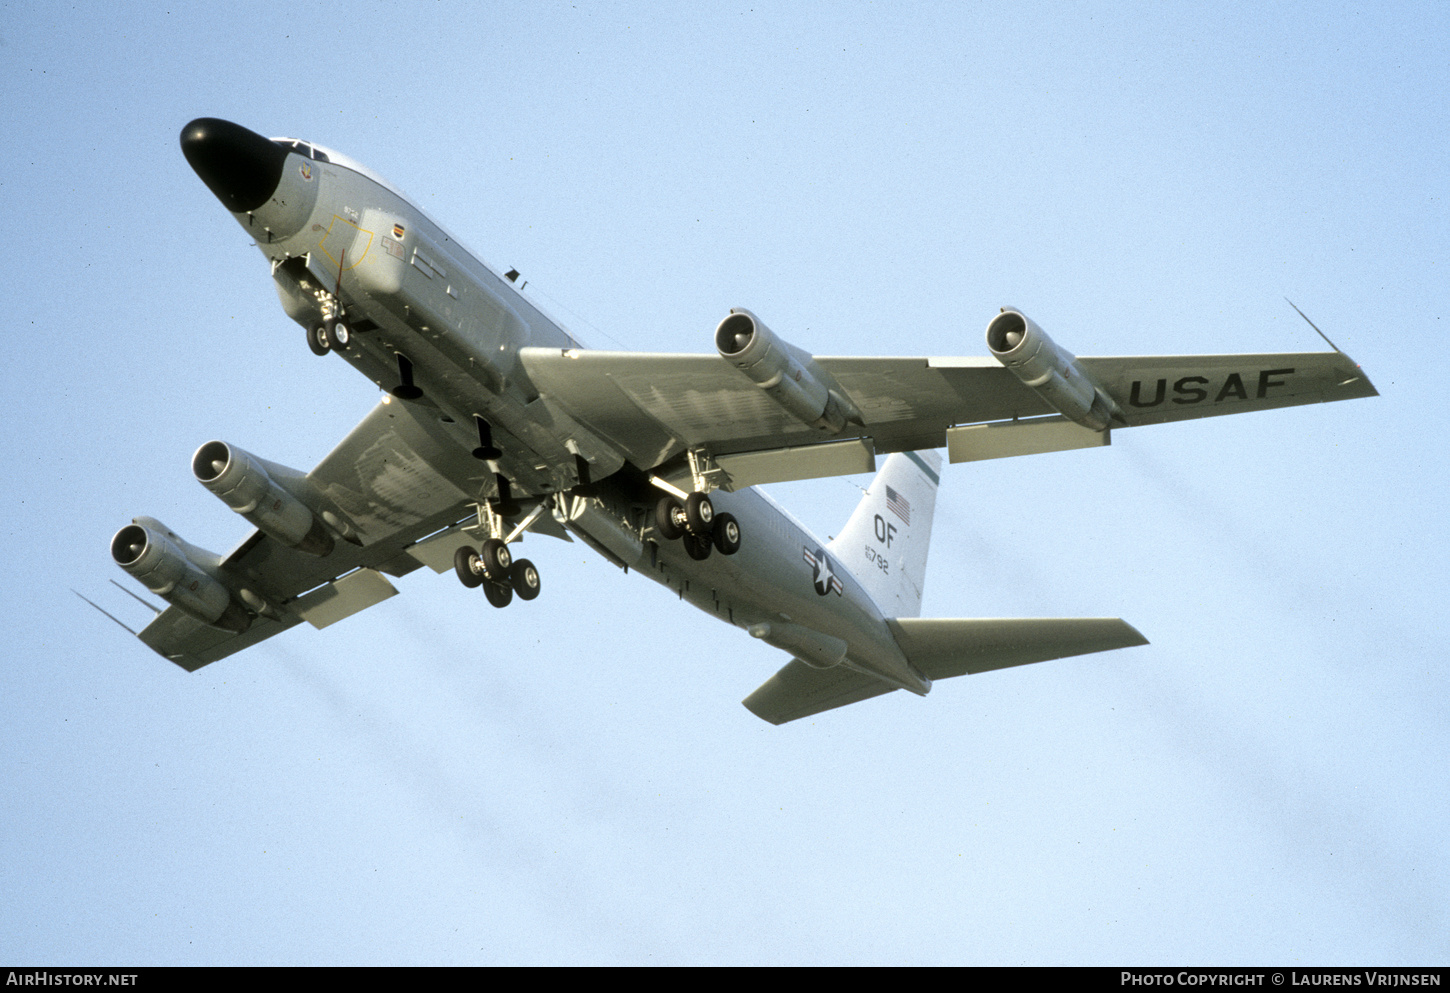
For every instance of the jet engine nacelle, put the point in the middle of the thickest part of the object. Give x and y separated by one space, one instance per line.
1051 370
242 482
786 373
167 566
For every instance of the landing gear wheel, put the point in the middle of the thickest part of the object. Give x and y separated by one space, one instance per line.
699 514
525 579
339 334
317 340
669 518
466 564
496 560
499 594
697 548
727 534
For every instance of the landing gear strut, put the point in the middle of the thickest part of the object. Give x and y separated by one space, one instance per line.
694 521
332 331
492 566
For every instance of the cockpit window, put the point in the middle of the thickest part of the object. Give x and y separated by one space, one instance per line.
316 152
302 148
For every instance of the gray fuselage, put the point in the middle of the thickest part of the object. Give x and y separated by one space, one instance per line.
334 231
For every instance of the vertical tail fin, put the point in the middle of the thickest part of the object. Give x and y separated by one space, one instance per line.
885 542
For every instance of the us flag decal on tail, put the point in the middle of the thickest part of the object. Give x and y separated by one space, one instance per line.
898 505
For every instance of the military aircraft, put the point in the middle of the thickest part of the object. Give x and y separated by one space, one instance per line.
495 421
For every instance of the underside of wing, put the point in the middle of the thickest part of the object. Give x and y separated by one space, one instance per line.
653 407
1154 389
391 484
191 644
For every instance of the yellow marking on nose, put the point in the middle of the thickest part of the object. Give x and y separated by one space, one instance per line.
345 240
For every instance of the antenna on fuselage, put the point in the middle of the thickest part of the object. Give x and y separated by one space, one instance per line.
406 388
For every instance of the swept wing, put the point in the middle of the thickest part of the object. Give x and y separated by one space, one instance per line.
653 407
395 479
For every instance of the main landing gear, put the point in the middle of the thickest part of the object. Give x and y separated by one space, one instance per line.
694 521
493 567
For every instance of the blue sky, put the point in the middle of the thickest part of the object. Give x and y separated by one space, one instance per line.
574 780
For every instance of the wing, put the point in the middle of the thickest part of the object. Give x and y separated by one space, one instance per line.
395 483
653 407
1153 389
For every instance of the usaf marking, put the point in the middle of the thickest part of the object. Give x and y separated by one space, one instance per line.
1190 390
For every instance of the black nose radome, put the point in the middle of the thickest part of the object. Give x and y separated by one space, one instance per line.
241 167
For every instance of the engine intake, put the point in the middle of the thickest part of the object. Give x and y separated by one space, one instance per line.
1051 370
167 566
787 374
242 482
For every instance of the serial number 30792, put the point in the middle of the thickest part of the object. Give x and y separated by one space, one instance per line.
878 560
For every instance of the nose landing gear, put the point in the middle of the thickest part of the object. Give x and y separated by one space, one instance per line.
332 331
327 335
318 340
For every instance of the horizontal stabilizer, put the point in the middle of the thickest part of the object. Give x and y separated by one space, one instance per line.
799 690
942 647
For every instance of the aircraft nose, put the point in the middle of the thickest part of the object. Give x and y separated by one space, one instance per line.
241 167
